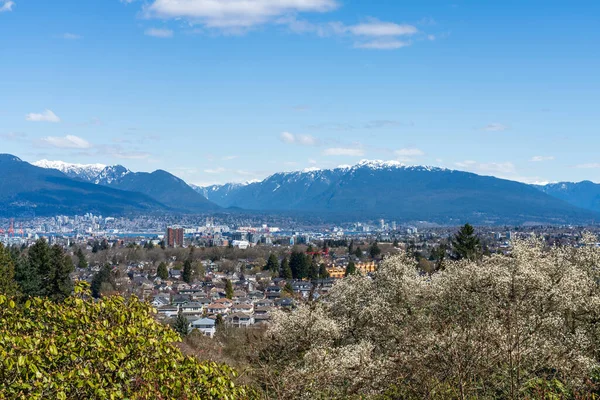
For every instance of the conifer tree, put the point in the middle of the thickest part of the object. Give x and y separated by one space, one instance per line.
358 252
286 271
103 279
466 244
228 289
314 269
187 271
27 277
299 265
81 261
162 272
350 269
272 264
374 251
57 283
323 274
8 286
181 325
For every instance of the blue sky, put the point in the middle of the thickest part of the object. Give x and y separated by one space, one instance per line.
231 90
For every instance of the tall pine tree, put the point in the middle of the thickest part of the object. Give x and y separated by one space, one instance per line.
272 264
187 271
228 289
350 269
299 265
286 271
466 244
162 272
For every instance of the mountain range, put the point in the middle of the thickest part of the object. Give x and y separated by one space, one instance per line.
381 189
368 190
160 185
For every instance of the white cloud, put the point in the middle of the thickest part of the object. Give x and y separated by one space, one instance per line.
379 28
70 36
6 5
541 158
495 127
159 33
303 140
219 170
341 151
384 44
502 168
67 142
588 166
46 116
234 13
409 152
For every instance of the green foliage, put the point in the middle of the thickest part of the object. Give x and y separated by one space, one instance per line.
103 280
187 274
162 271
228 289
181 324
358 252
272 264
286 271
466 244
350 269
323 274
107 349
374 250
81 260
56 281
27 277
299 264
8 285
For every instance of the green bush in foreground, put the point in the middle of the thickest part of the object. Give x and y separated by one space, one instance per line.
112 348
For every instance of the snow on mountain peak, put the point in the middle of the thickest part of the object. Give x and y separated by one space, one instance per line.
67 167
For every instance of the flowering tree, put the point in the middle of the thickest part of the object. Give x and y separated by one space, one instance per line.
520 326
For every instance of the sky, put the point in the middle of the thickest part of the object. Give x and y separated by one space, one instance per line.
219 91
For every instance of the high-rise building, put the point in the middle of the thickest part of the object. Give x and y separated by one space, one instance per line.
174 237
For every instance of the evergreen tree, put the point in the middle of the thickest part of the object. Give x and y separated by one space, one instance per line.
81 261
228 289
27 277
219 322
323 274
8 286
57 283
351 247
466 244
350 269
181 324
103 280
299 265
272 264
162 272
288 289
358 252
314 269
187 271
95 247
286 271
374 251
396 243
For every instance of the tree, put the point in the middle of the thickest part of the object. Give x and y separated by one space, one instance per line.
228 289
103 280
350 269
57 283
466 244
8 286
374 250
396 243
313 272
272 264
162 272
518 326
286 271
27 277
323 274
38 268
288 289
111 348
187 273
358 253
299 265
181 324
81 260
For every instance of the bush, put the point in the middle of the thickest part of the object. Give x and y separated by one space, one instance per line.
112 348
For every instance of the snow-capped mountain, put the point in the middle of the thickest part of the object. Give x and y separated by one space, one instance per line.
86 172
389 189
585 194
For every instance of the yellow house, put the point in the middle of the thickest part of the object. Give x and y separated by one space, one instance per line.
363 268
366 267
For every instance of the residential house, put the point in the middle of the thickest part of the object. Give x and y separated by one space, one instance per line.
205 325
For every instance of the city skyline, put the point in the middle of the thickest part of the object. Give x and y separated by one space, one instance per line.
231 94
